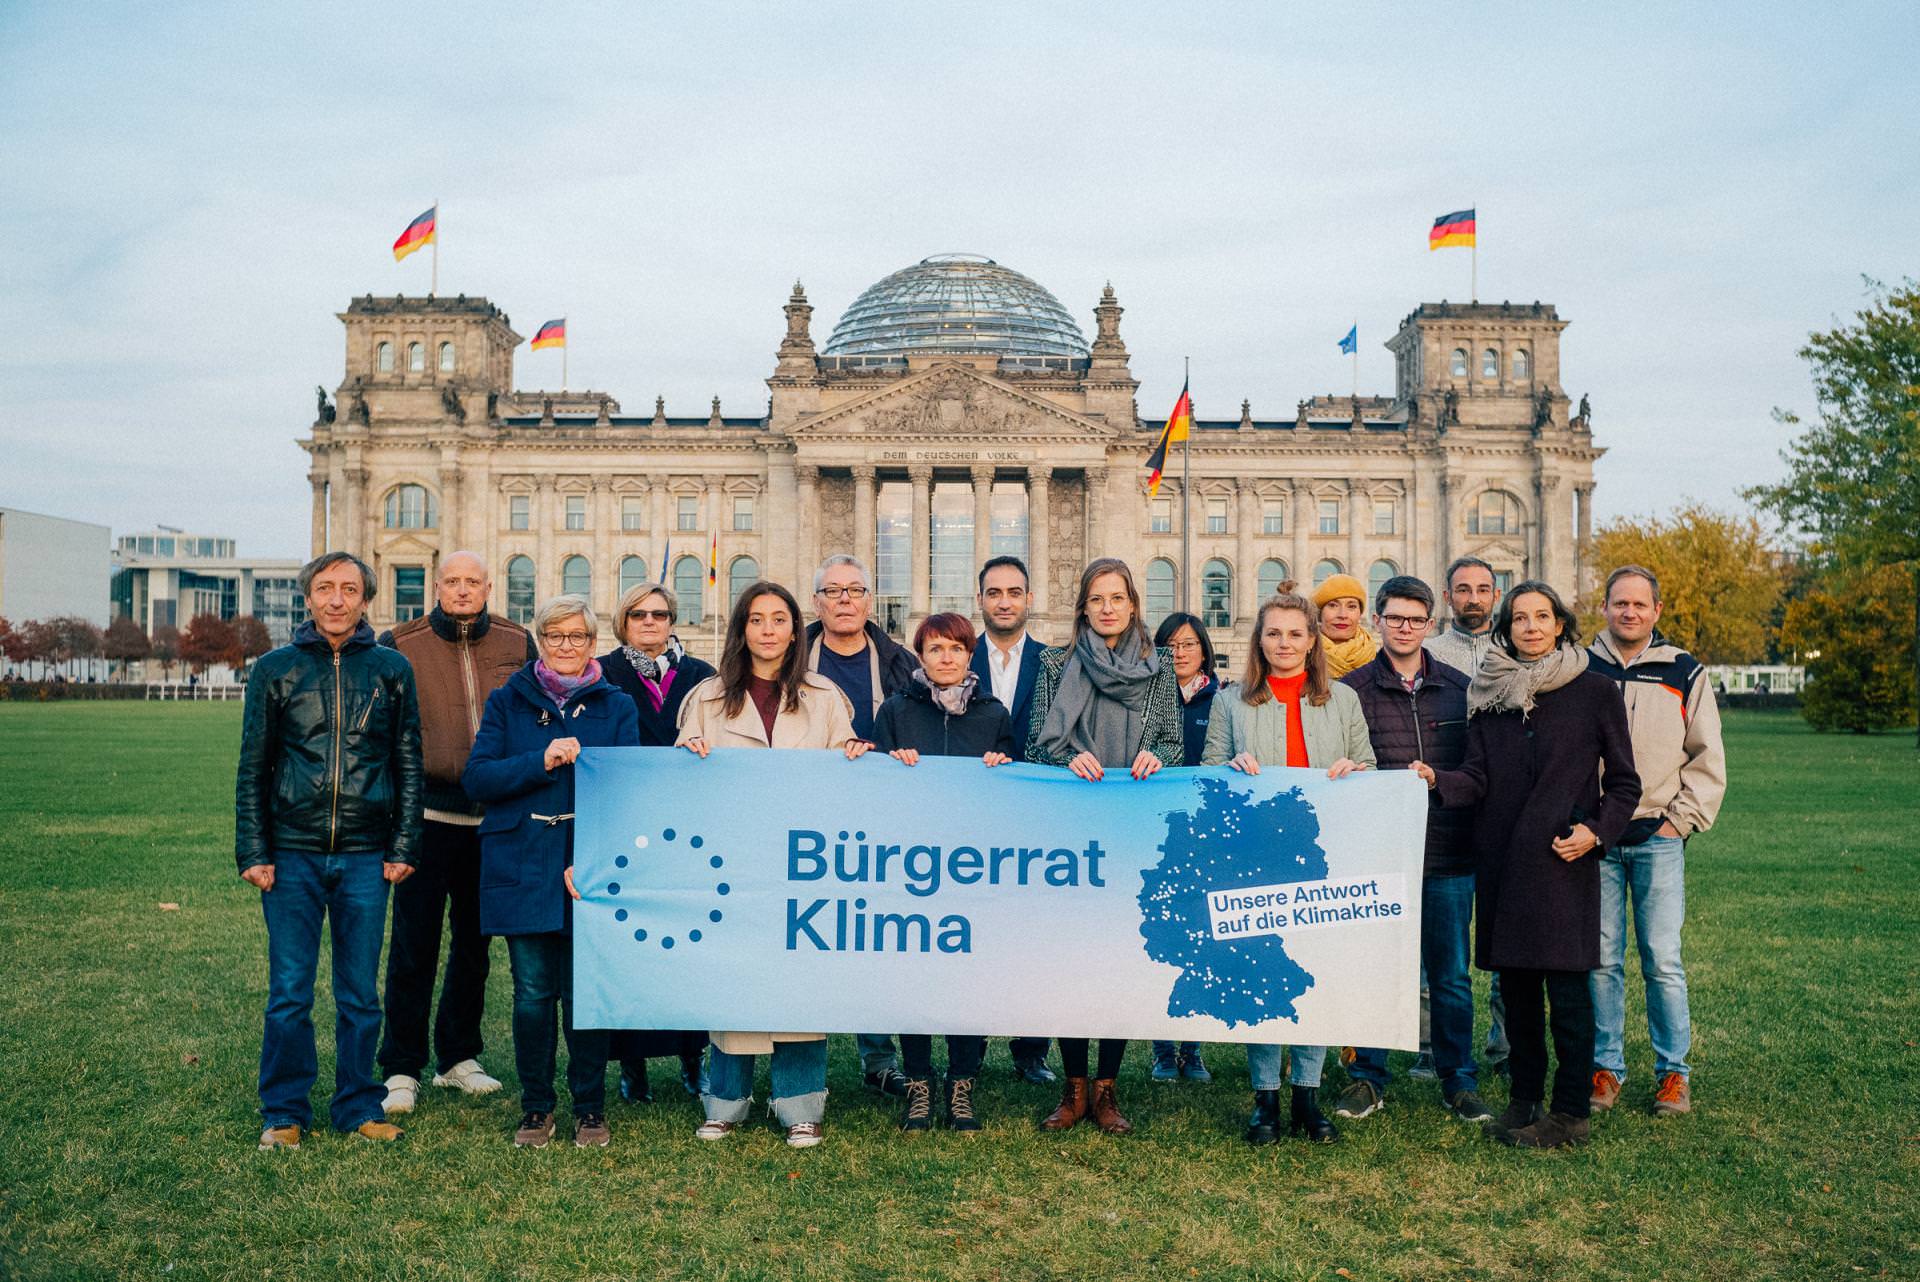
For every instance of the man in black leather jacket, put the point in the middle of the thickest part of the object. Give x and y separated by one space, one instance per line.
327 813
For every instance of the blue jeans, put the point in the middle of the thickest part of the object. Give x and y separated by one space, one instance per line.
347 890
876 1051
1446 919
798 1086
1653 873
542 982
1263 1065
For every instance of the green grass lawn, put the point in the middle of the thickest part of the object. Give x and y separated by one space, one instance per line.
129 1039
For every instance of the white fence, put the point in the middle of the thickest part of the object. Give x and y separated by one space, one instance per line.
213 692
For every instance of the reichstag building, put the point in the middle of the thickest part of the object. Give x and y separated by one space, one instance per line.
957 412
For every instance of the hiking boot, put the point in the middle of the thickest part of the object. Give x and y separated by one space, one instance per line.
287 1136
1264 1126
1193 1068
590 1130
1361 1099
1606 1090
634 1087
403 1093
960 1105
1555 1130
888 1081
715 1130
1307 1118
1033 1070
1104 1108
468 1076
1166 1062
919 1114
1672 1097
1423 1069
1073 1107
383 1132
804 1135
1518 1113
536 1129
1469 1107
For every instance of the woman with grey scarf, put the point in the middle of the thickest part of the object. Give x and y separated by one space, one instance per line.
1549 772
1106 701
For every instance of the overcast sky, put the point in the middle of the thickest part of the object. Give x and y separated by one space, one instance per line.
189 193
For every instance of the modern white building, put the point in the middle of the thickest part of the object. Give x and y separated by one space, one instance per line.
166 576
51 567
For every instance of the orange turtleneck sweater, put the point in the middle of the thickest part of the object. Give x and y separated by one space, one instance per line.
1288 691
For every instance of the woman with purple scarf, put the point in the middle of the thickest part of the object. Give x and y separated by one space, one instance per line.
521 770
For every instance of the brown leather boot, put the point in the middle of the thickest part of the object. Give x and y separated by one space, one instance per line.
1106 1110
1073 1106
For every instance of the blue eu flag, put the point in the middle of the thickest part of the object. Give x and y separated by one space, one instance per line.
1351 343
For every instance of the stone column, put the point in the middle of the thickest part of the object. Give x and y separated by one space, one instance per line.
1357 499
982 515
354 537
1306 519
546 575
1245 572
336 504
451 507
1096 513
1550 529
864 529
1583 569
318 538
657 521
921 474
807 477
1447 524
606 575
1039 538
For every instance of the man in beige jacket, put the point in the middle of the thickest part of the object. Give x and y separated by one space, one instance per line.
1683 775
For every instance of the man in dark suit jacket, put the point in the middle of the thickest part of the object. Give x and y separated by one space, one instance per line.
1007 661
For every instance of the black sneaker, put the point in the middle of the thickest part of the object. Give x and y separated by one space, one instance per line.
919 1115
1469 1107
960 1105
888 1081
1360 1099
1033 1071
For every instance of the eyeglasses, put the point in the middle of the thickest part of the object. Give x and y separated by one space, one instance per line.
566 640
1182 647
843 594
663 616
1404 622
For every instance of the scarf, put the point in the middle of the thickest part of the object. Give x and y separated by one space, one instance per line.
1507 684
656 674
953 699
1098 704
1343 657
1189 689
559 688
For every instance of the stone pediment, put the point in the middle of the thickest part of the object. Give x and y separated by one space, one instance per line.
409 544
1497 551
952 402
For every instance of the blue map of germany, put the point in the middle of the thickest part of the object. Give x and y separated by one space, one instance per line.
1230 841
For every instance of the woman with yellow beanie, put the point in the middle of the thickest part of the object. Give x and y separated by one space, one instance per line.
1342 603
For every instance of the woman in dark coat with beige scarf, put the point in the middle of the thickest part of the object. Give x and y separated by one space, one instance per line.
1549 767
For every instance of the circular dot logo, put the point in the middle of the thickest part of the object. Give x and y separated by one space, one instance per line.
660 850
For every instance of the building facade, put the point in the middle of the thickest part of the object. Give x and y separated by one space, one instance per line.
164 577
52 567
956 412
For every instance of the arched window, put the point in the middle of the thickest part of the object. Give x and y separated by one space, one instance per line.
689 585
1521 368
1377 574
411 507
1159 603
446 358
520 590
383 358
633 572
741 575
1459 366
576 576
416 357
1216 594
1272 574
1325 570
1490 364
1494 512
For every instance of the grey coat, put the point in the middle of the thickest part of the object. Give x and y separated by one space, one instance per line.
1335 729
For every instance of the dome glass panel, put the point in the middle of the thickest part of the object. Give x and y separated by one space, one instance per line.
957 303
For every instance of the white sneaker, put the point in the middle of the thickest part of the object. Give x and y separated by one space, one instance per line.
469 1077
403 1093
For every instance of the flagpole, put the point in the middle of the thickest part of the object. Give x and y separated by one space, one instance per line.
564 344
434 288
1356 360
1186 488
1473 288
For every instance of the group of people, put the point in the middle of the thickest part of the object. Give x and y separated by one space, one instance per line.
438 760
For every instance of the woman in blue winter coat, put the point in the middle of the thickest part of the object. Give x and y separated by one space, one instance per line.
521 770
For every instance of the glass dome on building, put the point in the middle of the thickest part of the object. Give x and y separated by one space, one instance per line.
957 303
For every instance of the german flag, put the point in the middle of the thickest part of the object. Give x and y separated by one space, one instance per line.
713 557
1452 229
419 232
551 334
1179 423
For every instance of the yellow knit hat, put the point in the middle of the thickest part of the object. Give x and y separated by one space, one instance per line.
1337 586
